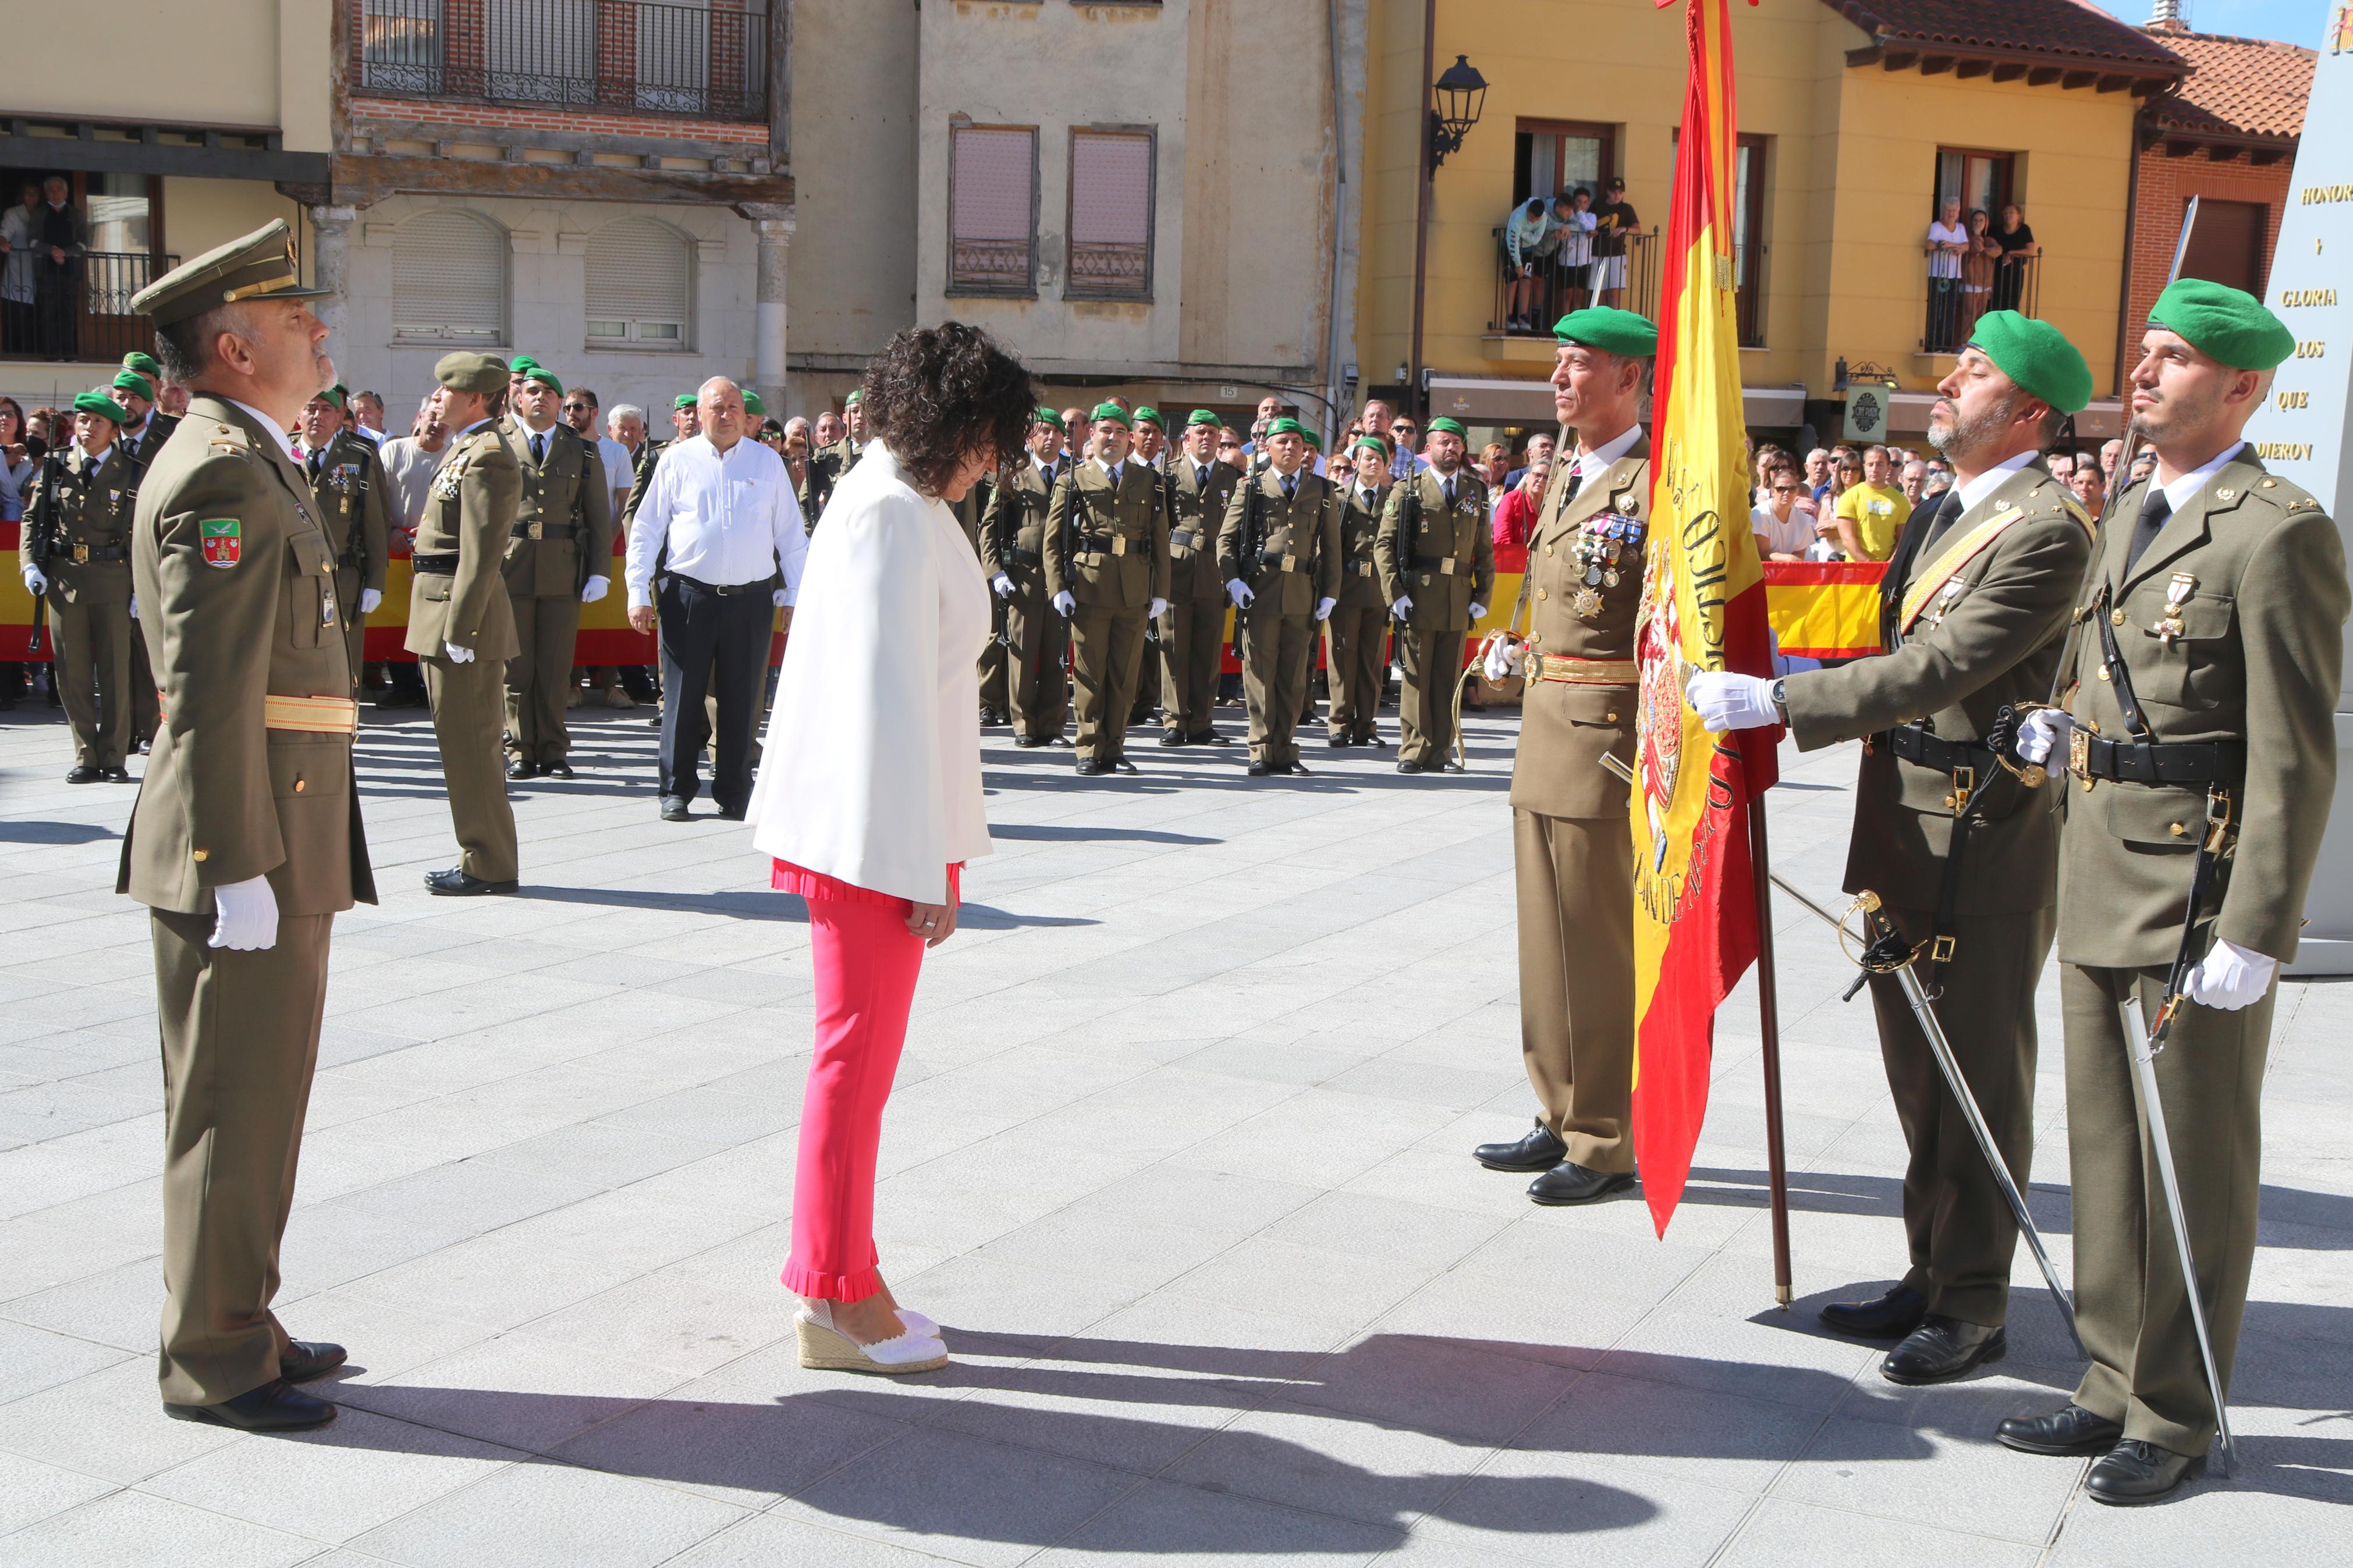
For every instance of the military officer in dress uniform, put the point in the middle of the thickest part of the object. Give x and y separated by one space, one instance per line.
1572 849
2202 759
1278 550
460 625
1962 852
1437 557
1192 633
1354 649
994 677
135 388
559 556
835 459
1152 451
1013 553
246 839
346 480
1107 572
75 551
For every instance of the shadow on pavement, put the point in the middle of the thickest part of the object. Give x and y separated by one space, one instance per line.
758 906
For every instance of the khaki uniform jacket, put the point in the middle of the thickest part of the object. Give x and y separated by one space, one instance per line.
94 506
1108 549
1201 516
237 603
570 487
1442 559
1987 638
642 475
158 430
469 509
1564 727
1298 558
2257 659
1360 529
348 498
1013 530
826 465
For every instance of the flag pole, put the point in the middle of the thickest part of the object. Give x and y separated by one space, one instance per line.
1769 1020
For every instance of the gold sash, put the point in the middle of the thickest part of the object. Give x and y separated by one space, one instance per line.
1964 550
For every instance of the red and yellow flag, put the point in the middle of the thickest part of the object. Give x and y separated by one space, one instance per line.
1704 609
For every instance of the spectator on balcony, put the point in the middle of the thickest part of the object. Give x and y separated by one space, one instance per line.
1948 240
1578 224
1530 240
1783 532
1978 262
19 230
61 241
2017 251
1870 515
1614 219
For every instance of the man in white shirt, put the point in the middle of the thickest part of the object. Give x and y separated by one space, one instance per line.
409 462
1948 240
720 521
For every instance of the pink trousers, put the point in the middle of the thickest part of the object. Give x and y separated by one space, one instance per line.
867 962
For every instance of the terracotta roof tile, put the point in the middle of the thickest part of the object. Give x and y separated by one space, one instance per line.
2237 86
2057 30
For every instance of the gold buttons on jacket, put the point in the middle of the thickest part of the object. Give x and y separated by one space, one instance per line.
199 856
1541 594
2176 829
1613 716
298 782
2116 617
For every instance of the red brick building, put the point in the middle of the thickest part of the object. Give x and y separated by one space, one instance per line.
2227 135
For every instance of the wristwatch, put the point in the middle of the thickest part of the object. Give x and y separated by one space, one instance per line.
1780 700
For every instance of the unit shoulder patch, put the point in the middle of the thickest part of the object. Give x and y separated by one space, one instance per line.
224 541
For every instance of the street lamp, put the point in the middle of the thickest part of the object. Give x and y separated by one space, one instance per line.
1461 93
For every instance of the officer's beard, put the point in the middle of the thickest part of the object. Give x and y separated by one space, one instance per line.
1962 439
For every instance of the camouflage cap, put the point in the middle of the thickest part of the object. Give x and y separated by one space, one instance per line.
261 266
466 370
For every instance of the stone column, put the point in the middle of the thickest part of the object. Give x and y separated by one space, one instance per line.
768 323
331 233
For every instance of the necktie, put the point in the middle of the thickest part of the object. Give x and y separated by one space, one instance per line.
314 463
1291 487
1117 471
538 450
1201 475
1448 490
1948 512
2153 513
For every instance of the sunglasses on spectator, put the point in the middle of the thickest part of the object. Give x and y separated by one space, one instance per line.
1785 489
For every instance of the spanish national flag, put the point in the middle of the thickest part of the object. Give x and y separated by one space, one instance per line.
1704 609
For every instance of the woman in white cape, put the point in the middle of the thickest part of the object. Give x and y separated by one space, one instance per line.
869 801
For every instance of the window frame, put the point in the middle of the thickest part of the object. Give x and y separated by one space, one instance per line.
1748 311
594 343
1591 129
954 290
1150 136
504 241
2005 195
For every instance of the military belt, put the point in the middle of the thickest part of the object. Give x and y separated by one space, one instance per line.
434 565
2091 757
83 554
1363 569
1020 557
1444 565
1276 561
1104 544
542 530
1582 671
1915 743
1181 538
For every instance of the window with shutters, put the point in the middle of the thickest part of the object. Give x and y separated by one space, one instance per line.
449 281
993 210
1111 215
641 285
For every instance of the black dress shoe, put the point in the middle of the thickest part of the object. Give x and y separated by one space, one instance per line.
1210 738
520 770
116 774
2134 1472
731 814
2069 1430
674 808
556 769
307 1359
1171 738
1335 742
1570 1183
457 884
1888 1317
1122 765
1088 768
1455 768
1027 743
1408 765
1297 766
1942 1348
1373 741
1260 769
399 699
276 1406
85 773
1540 1150
1060 740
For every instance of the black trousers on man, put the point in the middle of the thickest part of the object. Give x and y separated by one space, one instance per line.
714 641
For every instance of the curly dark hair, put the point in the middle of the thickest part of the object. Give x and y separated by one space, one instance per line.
940 395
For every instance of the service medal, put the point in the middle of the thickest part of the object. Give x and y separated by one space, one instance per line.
1586 602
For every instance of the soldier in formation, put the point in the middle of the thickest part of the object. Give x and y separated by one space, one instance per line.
558 557
1437 557
347 490
1013 553
1356 632
74 554
1107 572
1279 551
1192 633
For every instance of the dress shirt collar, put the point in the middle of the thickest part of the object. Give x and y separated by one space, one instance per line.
93 461
1111 468
285 442
1367 494
1984 484
1591 463
2181 491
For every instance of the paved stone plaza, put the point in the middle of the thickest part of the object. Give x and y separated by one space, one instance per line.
1180 1155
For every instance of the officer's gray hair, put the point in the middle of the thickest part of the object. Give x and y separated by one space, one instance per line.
184 348
625 411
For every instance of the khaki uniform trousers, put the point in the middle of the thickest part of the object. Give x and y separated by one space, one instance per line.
1428 664
1276 651
1040 678
146 703
91 645
240 1040
469 710
1192 639
2131 1304
347 606
1106 654
539 678
1955 1222
995 679
1575 883
1353 660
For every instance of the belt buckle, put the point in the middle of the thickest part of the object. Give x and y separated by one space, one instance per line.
2079 754
1290 564
1447 566
81 554
2218 818
533 531
1941 950
1119 544
1964 784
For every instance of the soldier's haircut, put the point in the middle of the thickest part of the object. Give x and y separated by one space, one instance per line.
184 348
940 395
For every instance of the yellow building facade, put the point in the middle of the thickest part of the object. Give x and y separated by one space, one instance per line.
1850 128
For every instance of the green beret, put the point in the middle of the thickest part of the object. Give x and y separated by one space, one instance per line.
851 398
100 404
1286 425
2223 323
1206 417
1366 444
143 364
1047 417
132 381
466 370
1111 411
334 394
261 266
1151 416
2037 356
1616 332
1307 434
545 378
522 364
1454 427
685 401
752 404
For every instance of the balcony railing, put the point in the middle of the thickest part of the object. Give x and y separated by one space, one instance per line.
88 318
709 60
1562 289
1954 307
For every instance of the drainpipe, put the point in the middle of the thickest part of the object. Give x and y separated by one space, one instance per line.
1415 396
1339 225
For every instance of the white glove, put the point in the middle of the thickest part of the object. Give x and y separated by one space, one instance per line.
2230 977
1324 608
1402 608
1064 605
779 598
1157 608
371 597
1003 585
1240 593
134 607
1727 701
248 916
1478 612
34 584
457 655
2040 733
591 591
1502 658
